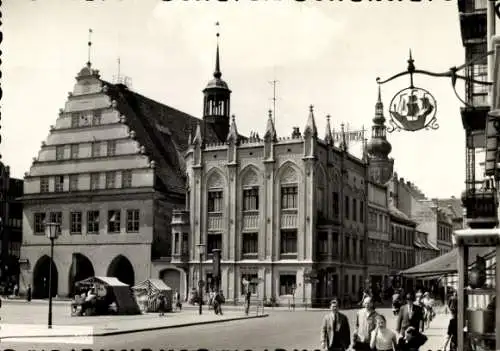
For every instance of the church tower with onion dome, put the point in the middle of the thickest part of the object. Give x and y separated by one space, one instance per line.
381 166
216 102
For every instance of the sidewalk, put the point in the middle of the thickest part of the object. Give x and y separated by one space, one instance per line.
32 322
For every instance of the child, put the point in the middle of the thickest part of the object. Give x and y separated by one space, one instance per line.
412 340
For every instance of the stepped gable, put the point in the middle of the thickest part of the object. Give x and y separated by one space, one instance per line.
162 130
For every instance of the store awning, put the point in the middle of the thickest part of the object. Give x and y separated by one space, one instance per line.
445 264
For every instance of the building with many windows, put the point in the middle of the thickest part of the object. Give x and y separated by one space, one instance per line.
11 214
280 209
110 172
402 251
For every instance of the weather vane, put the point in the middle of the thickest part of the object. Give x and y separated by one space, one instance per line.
414 108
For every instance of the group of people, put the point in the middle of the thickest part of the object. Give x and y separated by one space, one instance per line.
371 331
215 300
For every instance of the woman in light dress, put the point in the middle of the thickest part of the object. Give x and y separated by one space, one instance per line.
428 304
383 338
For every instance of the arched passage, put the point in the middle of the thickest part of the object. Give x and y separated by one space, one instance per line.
122 269
172 278
41 278
81 268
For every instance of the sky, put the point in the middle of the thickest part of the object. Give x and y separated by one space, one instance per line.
322 53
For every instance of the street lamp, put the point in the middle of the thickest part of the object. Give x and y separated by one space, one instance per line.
52 231
201 250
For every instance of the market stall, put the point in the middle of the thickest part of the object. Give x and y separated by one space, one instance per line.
148 291
104 295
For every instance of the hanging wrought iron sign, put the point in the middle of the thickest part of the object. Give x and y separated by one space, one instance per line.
412 109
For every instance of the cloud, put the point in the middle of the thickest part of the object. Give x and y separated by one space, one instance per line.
253 34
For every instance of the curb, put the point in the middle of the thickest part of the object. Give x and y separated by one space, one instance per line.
119 332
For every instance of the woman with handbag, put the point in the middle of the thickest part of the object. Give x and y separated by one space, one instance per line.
383 338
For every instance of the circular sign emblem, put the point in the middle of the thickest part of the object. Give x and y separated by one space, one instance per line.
413 109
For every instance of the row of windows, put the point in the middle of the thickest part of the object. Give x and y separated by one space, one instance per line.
444 234
96 150
250 242
403 236
377 252
378 221
351 209
353 247
93 221
289 200
95 181
402 259
86 118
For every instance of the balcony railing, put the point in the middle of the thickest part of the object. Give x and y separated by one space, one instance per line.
215 221
288 219
481 203
251 219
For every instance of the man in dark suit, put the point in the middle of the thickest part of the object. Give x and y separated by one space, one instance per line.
335 331
410 315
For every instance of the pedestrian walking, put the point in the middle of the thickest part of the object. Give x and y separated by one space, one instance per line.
248 296
383 338
452 333
219 299
178 302
161 305
410 315
365 324
16 290
335 331
412 340
28 293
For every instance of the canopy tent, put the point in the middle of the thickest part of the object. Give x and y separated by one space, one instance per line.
120 292
149 291
445 264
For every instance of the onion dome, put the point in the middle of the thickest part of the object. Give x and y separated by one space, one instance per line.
378 146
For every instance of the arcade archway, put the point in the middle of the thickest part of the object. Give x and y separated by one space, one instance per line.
81 268
122 269
41 278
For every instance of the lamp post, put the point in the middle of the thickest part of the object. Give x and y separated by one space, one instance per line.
52 231
201 250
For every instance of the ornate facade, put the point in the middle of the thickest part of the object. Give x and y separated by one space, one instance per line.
279 209
110 173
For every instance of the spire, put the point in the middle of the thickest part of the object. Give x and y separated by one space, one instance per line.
233 132
379 110
270 131
311 124
198 140
217 72
328 133
343 142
